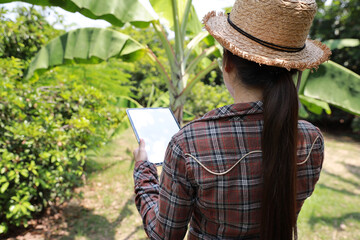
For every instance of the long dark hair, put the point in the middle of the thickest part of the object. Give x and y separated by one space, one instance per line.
278 142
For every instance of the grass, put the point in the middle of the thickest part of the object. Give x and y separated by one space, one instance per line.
333 211
106 209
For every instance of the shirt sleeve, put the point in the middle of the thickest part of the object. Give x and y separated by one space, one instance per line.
309 172
165 209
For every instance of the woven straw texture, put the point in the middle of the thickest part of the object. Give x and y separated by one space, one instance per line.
281 22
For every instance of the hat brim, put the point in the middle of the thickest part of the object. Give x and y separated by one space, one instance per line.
311 56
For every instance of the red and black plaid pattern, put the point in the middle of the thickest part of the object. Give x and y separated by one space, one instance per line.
217 207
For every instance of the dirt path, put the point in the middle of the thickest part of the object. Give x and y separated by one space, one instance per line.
342 157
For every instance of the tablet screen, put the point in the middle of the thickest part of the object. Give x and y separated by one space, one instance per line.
156 126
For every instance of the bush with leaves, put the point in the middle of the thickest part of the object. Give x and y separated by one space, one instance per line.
205 97
24 37
339 19
44 132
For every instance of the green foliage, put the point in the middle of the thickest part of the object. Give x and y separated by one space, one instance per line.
86 45
44 132
182 59
332 83
313 105
148 84
111 77
162 8
336 85
204 98
339 19
116 12
24 36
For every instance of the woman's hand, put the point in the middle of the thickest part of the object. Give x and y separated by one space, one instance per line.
140 153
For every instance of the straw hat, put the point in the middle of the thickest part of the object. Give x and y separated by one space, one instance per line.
271 32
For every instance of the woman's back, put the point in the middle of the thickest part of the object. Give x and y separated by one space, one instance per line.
227 204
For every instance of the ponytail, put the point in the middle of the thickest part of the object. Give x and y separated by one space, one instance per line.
279 144
279 139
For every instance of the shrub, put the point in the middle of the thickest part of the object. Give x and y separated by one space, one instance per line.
44 132
204 98
24 30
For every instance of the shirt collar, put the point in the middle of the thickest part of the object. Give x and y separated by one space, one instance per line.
235 110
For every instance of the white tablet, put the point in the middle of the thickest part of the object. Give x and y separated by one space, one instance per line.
156 126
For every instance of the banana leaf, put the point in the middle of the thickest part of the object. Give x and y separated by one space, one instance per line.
335 85
116 12
86 45
314 105
163 9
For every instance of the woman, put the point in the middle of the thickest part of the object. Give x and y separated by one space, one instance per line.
244 170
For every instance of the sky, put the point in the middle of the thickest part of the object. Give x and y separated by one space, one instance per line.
79 21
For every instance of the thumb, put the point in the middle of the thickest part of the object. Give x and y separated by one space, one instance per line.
142 144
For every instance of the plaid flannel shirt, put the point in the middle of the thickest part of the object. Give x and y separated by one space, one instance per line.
217 207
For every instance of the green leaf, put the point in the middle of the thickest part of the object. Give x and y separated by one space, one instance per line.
182 97
302 112
43 184
14 209
3 228
87 45
24 172
25 223
194 42
31 208
116 12
127 102
3 178
194 25
342 43
203 55
314 105
45 155
4 187
11 174
227 9
163 9
188 116
336 85
162 101
23 209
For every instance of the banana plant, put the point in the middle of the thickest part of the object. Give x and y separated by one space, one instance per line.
331 84
183 52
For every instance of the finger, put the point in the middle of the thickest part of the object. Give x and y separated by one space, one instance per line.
142 144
